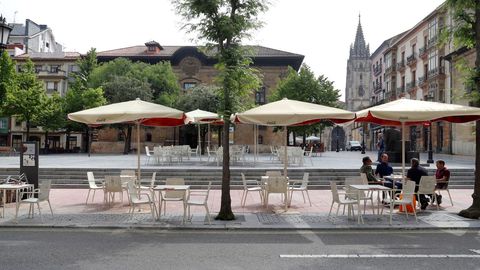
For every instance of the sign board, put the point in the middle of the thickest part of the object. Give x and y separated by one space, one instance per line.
29 161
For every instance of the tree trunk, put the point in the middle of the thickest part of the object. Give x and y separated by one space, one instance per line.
226 201
87 140
128 141
46 142
474 210
67 142
28 130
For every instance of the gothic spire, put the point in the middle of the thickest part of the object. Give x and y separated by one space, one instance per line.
360 49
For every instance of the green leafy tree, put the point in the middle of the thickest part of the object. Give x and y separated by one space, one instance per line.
303 86
124 88
25 100
201 97
7 75
465 32
82 95
223 25
52 116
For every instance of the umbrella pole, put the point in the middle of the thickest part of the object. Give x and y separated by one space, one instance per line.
138 152
403 150
209 137
285 157
254 144
199 147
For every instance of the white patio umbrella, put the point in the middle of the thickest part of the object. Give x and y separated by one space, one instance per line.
312 138
202 117
402 112
287 112
134 111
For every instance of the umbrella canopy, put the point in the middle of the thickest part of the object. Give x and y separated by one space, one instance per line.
288 112
312 138
138 111
201 117
147 113
404 111
413 112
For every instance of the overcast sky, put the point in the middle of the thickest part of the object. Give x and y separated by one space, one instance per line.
322 31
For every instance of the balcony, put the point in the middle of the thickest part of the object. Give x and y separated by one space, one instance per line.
377 70
412 60
401 66
47 73
390 69
436 72
422 81
411 86
423 53
377 88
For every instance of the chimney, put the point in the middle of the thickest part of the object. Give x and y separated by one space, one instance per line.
153 47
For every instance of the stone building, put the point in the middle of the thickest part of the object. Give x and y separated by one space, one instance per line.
192 67
32 37
411 65
55 70
357 90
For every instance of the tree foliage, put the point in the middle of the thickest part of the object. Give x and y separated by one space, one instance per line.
7 76
26 99
303 86
222 25
465 32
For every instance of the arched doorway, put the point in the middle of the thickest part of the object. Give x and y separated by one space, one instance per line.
338 139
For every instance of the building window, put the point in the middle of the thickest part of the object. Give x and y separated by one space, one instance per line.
189 85
151 48
148 137
18 123
17 142
432 29
432 60
51 86
3 123
54 68
260 96
72 141
38 68
120 136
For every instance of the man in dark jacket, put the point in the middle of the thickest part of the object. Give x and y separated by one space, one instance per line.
415 173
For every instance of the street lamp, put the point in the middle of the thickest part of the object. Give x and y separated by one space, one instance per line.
430 152
5 30
363 138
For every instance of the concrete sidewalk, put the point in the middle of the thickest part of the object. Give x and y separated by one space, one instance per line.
70 211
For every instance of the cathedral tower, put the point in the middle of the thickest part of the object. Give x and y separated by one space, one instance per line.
358 86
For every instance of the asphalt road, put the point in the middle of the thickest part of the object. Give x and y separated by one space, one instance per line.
125 249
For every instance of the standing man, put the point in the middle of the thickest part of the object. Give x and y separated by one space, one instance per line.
380 146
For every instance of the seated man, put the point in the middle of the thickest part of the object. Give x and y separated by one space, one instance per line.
415 173
367 169
384 170
443 176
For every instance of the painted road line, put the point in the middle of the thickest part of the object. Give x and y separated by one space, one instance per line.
377 256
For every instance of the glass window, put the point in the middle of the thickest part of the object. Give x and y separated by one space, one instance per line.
260 96
148 137
432 60
54 68
51 86
189 85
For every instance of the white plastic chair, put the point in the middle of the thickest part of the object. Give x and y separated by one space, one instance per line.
43 195
250 185
445 188
302 186
198 198
92 186
151 186
113 184
426 186
139 198
148 154
310 155
349 202
408 192
172 195
277 184
353 193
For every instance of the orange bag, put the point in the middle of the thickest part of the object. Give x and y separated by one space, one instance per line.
409 207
